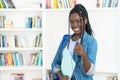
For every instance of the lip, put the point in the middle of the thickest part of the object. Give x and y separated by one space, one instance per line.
76 29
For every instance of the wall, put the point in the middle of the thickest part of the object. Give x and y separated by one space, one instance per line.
104 23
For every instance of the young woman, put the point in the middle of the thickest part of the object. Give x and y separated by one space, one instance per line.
81 45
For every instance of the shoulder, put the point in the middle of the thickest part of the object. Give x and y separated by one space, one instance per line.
89 38
65 38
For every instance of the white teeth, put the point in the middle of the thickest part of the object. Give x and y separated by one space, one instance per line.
76 29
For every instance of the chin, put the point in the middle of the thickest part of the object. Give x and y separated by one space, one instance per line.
76 33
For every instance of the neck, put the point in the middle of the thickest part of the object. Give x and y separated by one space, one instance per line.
75 37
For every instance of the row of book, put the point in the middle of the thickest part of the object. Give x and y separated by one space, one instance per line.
20 4
112 78
107 3
31 22
60 3
56 4
10 59
17 76
16 59
21 76
34 22
12 41
38 41
6 4
70 3
28 4
36 59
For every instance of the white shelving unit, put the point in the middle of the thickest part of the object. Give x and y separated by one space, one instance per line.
104 21
118 40
18 16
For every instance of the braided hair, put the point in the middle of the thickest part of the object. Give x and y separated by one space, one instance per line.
82 12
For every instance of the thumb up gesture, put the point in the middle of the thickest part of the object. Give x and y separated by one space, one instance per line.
79 49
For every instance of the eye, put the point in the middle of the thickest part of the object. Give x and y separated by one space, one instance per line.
77 21
71 22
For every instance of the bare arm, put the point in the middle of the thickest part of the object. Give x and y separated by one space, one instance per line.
80 51
61 76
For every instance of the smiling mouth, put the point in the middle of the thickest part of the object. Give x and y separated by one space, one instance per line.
76 29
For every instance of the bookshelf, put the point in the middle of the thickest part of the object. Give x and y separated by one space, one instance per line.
105 23
22 41
118 45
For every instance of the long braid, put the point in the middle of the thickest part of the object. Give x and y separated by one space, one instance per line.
82 28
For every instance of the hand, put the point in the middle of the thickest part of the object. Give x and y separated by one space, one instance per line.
79 49
61 76
64 78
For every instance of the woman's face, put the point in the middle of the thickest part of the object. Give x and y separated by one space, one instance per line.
75 22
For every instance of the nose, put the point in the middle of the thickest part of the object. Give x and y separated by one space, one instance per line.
74 23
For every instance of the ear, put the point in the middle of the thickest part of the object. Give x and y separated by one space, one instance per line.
85 21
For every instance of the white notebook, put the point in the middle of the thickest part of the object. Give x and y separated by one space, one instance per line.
68 64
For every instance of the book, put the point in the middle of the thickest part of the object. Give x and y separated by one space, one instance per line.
20 41
4 44
20 58
39 41
0 40
1 59
6 59
0 21
40 58
55 4
8 24
71 3
114 3
48 4
2 4
98 3
15 60
67 60
10 4
33 59
59 3
38 22
28 22
33 22
6 4
9 58
17 76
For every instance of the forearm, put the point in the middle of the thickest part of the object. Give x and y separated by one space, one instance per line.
57 71
86 62
59 74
